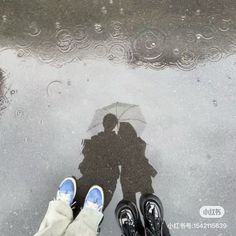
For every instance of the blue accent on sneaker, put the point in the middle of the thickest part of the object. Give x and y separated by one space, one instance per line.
67 190
95 198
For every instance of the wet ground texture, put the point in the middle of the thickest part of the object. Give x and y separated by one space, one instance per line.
165 69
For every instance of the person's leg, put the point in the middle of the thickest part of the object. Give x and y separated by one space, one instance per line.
59 214
88 221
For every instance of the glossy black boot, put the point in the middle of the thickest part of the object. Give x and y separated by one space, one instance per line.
152 210
128 218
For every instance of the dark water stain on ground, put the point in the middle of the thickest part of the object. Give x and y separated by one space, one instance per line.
153 34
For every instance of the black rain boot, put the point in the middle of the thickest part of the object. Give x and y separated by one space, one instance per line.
152 210
128 218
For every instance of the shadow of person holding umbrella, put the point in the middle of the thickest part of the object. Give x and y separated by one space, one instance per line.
100 165
117 151
136 171
105 152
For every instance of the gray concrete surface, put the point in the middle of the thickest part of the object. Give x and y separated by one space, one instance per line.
55 75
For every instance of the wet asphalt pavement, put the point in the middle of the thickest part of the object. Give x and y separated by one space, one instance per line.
169 65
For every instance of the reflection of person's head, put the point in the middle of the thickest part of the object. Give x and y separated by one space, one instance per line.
109 122
127 131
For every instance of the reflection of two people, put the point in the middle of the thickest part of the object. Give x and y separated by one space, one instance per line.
106 151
